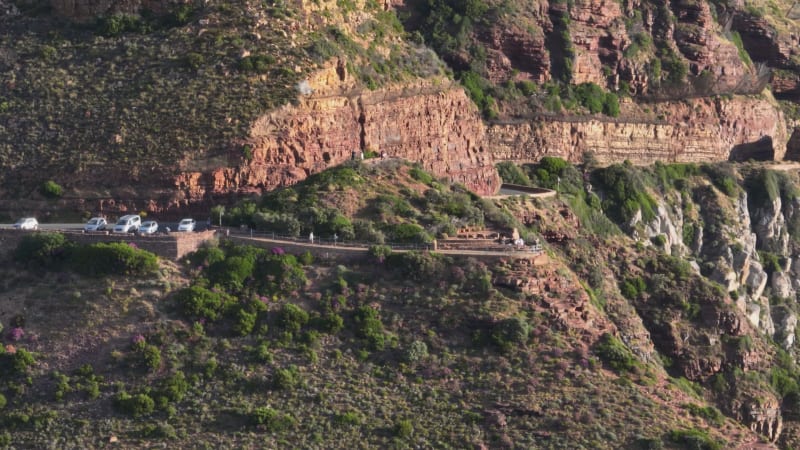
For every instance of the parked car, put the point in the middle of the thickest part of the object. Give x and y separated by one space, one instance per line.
95 224
187 225
148 227
128 224
27 223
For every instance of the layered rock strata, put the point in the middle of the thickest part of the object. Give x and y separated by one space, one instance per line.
709 129
435 125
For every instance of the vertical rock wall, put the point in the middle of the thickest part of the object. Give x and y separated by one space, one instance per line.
698 130
435 125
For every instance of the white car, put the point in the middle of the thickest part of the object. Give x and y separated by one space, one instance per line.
27 223
128 224
148 227
187 225
95 224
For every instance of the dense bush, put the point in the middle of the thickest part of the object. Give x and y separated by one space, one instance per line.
694 439
41 250
174 387
292 317
51 189
16 363
256 63
616 354
419 266
420 175
135 405
270 419
711 414
232 272
625 194
512 173
197 302
632 287
113 258
723 176
369 327
511 332
407 233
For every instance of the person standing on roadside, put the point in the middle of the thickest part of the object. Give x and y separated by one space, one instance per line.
311 237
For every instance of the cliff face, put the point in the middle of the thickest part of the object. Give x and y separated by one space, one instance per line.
690 131
435 125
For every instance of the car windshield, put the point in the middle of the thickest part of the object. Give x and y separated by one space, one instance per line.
186 221
122 222
94 221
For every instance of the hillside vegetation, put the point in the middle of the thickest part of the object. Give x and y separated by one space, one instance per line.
125 100
618 342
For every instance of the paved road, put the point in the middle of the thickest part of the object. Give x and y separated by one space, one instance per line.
342 248
76 227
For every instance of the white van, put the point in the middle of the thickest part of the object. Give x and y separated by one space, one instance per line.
128 224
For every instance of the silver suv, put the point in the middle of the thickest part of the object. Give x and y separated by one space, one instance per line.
128 224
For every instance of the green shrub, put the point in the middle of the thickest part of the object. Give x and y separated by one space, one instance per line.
113 258
369 327
625 194
44 250
723 176
407 233
256 63
512 173
292 317
348 418
590 96
616 354
331 323
3 401
694 439
117 24
197 302
205 256
736 38
151 357
611 104
511 332
194 60
244 322
232 272
711 414
403 428
135 405
416 352
770 261
419 266
174 387
286 379
51 189
270 419
420 175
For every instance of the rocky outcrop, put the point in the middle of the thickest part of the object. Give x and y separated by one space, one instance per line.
598 39
690 131
762 42
516 54
435 125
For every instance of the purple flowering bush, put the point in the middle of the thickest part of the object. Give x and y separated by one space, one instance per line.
15 334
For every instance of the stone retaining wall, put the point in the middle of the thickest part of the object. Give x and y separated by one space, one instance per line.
172 246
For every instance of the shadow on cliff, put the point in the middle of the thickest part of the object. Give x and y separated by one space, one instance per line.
760 150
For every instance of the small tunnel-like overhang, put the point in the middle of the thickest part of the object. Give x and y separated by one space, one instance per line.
760 150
